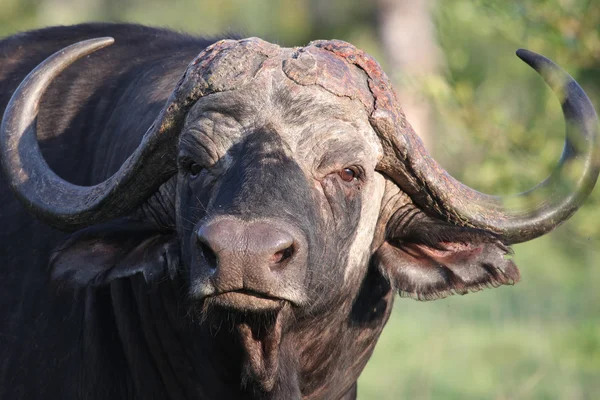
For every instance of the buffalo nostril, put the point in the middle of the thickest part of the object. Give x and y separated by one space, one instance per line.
282 255
208 254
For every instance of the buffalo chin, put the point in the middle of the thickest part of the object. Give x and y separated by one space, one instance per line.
258 322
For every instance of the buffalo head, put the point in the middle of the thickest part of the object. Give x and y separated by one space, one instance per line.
276 178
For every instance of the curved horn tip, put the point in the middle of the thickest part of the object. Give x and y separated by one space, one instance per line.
533 59
100 42
524 53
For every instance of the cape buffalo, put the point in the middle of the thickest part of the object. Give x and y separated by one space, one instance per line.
231 220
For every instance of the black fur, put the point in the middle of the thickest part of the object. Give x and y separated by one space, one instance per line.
113 316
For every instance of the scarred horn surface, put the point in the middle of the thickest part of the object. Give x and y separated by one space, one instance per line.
515 218
69 207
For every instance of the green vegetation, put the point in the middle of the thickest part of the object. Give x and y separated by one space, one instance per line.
537 340
498 128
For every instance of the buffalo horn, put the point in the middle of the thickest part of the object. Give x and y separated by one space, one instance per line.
525 216
57 202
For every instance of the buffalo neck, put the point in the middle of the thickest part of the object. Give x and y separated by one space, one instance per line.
170 352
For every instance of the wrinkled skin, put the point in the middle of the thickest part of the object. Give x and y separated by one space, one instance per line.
162 303
273 159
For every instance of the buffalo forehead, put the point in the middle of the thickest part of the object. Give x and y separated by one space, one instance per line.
230 65
305 117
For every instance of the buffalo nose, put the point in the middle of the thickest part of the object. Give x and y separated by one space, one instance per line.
232 243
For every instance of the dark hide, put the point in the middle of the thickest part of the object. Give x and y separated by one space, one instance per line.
110 311
92 118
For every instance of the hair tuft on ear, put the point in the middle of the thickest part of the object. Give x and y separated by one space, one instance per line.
99 254
429 259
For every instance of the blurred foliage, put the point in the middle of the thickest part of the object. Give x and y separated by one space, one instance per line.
514 123
499 129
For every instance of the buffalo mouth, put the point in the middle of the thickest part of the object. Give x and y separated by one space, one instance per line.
246 300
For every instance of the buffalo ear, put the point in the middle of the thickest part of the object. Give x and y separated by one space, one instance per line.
430 259
97 255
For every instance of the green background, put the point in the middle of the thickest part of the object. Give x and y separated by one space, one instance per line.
495 126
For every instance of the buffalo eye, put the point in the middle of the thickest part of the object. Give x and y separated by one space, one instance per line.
195 169
349 174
